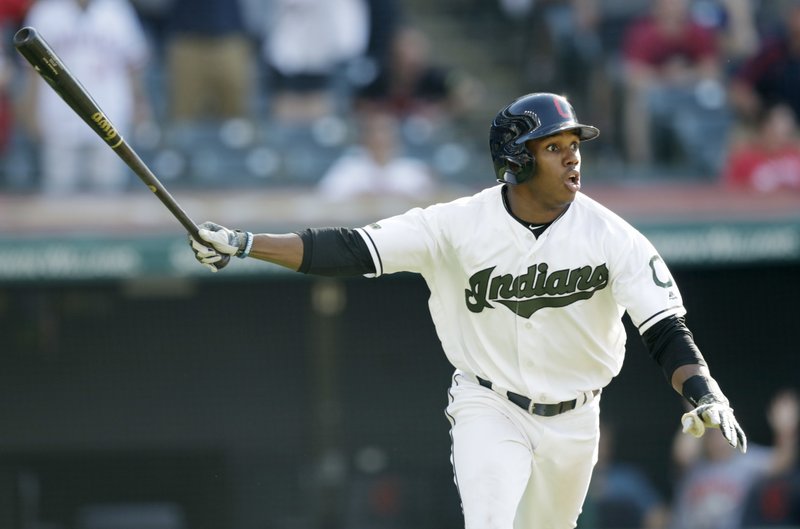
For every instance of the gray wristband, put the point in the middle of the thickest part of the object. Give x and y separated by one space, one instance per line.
248 245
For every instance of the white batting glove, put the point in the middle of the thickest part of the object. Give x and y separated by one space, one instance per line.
224 240
219 244
714 413
208 256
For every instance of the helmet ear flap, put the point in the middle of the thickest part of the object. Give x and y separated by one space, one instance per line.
515 172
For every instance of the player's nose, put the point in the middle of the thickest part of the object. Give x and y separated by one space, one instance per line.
572 158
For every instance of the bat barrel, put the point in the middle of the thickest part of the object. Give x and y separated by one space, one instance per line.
33 47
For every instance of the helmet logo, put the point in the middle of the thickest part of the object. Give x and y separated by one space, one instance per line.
564 112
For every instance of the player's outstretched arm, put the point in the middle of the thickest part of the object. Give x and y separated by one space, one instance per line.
711 407
334 252
283 249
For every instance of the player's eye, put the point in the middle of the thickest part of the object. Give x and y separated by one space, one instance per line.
552 147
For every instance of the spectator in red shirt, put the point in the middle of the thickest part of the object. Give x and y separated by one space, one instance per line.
673 88
769 159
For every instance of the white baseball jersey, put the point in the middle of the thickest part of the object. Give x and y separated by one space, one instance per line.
540 317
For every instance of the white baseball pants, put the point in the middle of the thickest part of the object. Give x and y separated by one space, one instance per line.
515 470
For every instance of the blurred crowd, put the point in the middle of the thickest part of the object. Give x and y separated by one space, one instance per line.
714 487
223 91
708 88
710 486
285 91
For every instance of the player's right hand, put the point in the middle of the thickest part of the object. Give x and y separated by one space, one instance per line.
207 255
223 240
217 245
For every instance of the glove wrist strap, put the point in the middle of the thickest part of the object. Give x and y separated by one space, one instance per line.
244 249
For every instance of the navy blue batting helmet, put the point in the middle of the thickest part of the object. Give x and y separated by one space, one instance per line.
526 118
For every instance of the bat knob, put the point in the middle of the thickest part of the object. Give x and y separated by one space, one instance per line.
222 263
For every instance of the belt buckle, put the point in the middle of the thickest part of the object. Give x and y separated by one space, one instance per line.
550 410
543 410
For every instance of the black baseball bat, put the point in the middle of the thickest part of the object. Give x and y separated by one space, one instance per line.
31 45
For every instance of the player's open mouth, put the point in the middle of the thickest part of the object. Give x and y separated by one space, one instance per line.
574 181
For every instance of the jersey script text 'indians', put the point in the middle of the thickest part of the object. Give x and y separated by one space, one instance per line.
536 289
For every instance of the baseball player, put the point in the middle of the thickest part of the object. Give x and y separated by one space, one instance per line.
529 280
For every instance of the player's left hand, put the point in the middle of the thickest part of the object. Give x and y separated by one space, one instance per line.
712 412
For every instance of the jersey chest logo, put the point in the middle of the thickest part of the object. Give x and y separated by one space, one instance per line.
536 289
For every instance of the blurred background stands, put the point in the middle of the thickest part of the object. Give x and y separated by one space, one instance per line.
252 130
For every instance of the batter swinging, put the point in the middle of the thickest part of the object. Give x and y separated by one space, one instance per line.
529 281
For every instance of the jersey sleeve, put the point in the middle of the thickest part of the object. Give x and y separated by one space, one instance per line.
642 283
403 243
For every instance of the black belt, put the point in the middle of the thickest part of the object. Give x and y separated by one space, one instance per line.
545 410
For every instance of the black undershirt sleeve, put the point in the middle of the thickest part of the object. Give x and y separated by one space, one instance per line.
671 344
335 252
